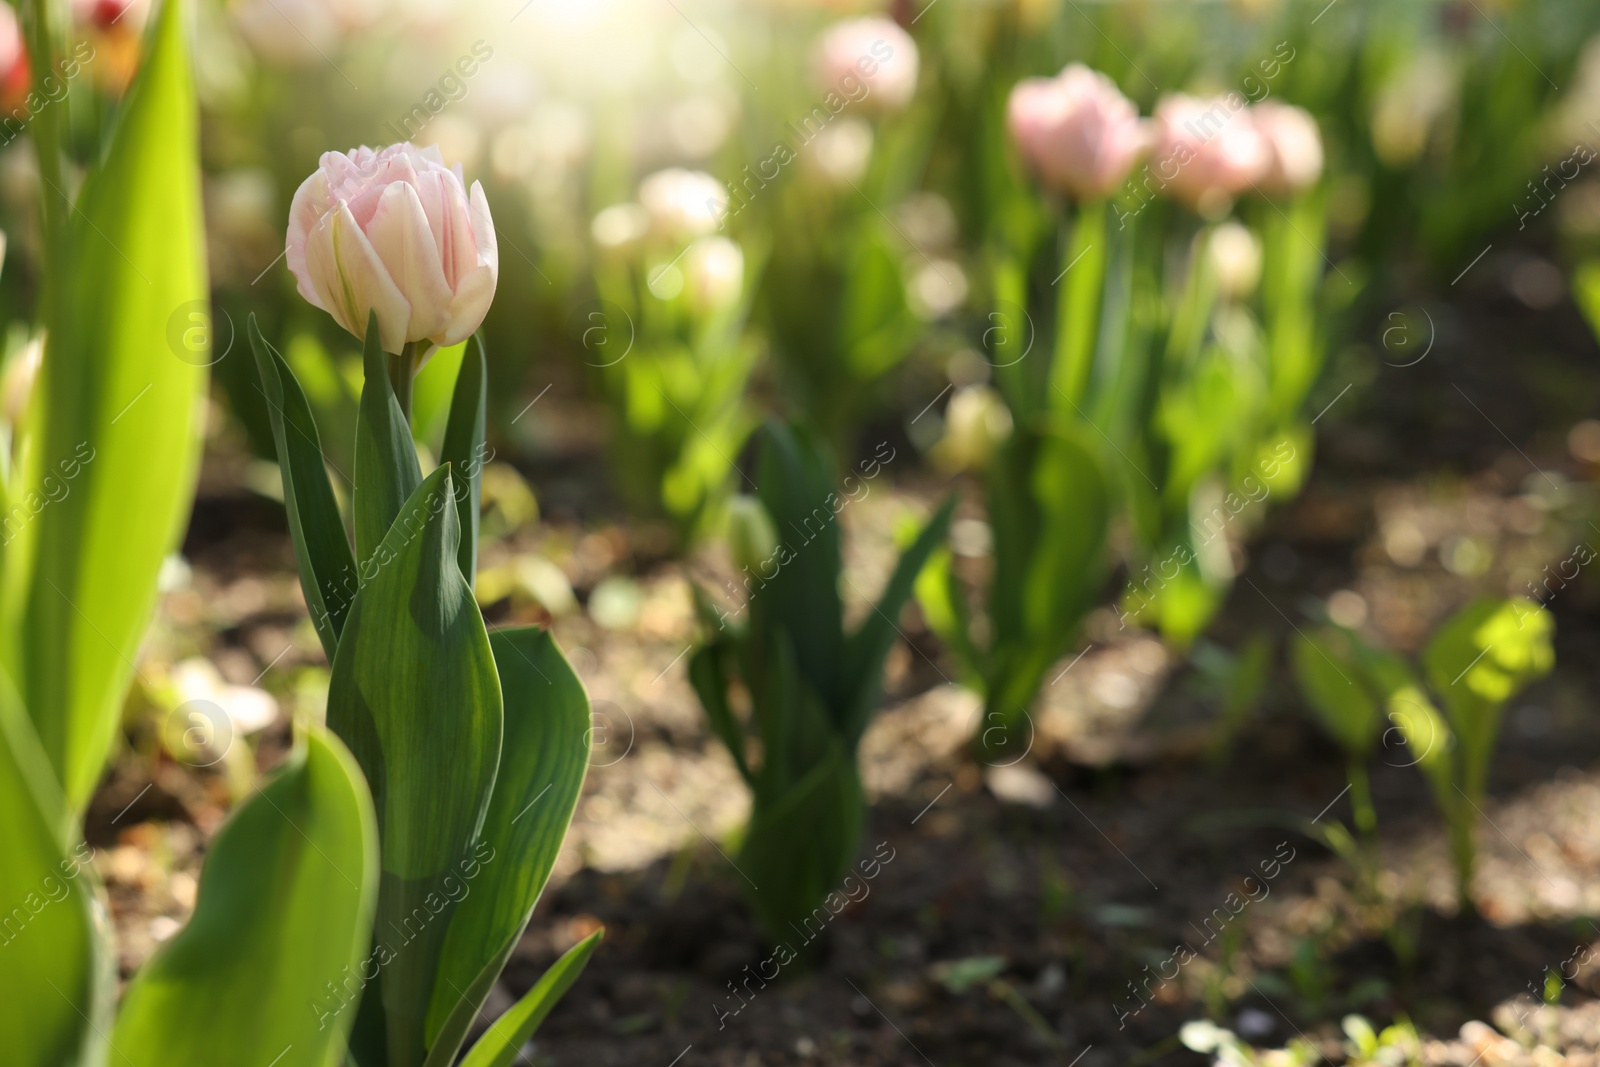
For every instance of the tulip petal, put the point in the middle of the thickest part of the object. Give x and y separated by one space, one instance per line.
400 235
476 285
350 279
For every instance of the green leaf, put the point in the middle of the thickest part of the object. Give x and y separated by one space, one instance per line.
795 483
1325 668
47 941
1073 502
387 471
464 447
321 550
273 959
500 1046
710 683
868 647
414 694
111 463
799 845
1477 661
545 756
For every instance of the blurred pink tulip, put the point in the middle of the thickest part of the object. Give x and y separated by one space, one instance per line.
10 38
1206 149
1077 130
871 62
394 231
1296 146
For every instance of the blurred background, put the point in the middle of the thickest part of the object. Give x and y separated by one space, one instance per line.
705 221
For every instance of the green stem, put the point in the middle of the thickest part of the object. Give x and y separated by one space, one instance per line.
1366 816
1080 287
402 371
1464 852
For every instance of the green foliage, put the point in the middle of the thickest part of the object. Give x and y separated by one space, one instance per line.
322 552
49 974
675 369
282 918
113 438
812 686
474 744
502 1044
1049 506
1474 664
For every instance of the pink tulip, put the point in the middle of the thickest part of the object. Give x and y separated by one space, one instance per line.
1208 149
870 62
1296 146
11 48
1077 130
394 231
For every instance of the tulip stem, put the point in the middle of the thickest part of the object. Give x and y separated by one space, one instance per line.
402 368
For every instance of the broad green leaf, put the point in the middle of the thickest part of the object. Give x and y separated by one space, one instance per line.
464 446
321 550
1479 659
1073 505
799 845
795 482
545 756
1332 682
47 951
116 438
868 647
1428 738
387 471
501 1045
414 694
274 958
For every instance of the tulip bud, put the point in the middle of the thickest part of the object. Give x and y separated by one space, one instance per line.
840 151
16 383
1077 130
1296 147
395 232
1207 153
683 204
715 266
619 228
752 538
870 62
1235 257
975 424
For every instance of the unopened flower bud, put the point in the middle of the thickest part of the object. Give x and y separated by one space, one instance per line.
975 424
1296 146
715 266
394 232
619 228
683 204
1077 130
870 62
752 538
1235 257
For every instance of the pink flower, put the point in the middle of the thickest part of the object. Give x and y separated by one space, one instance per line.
1296 146
394 231
1077 130
1208 150
868 61
11 50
